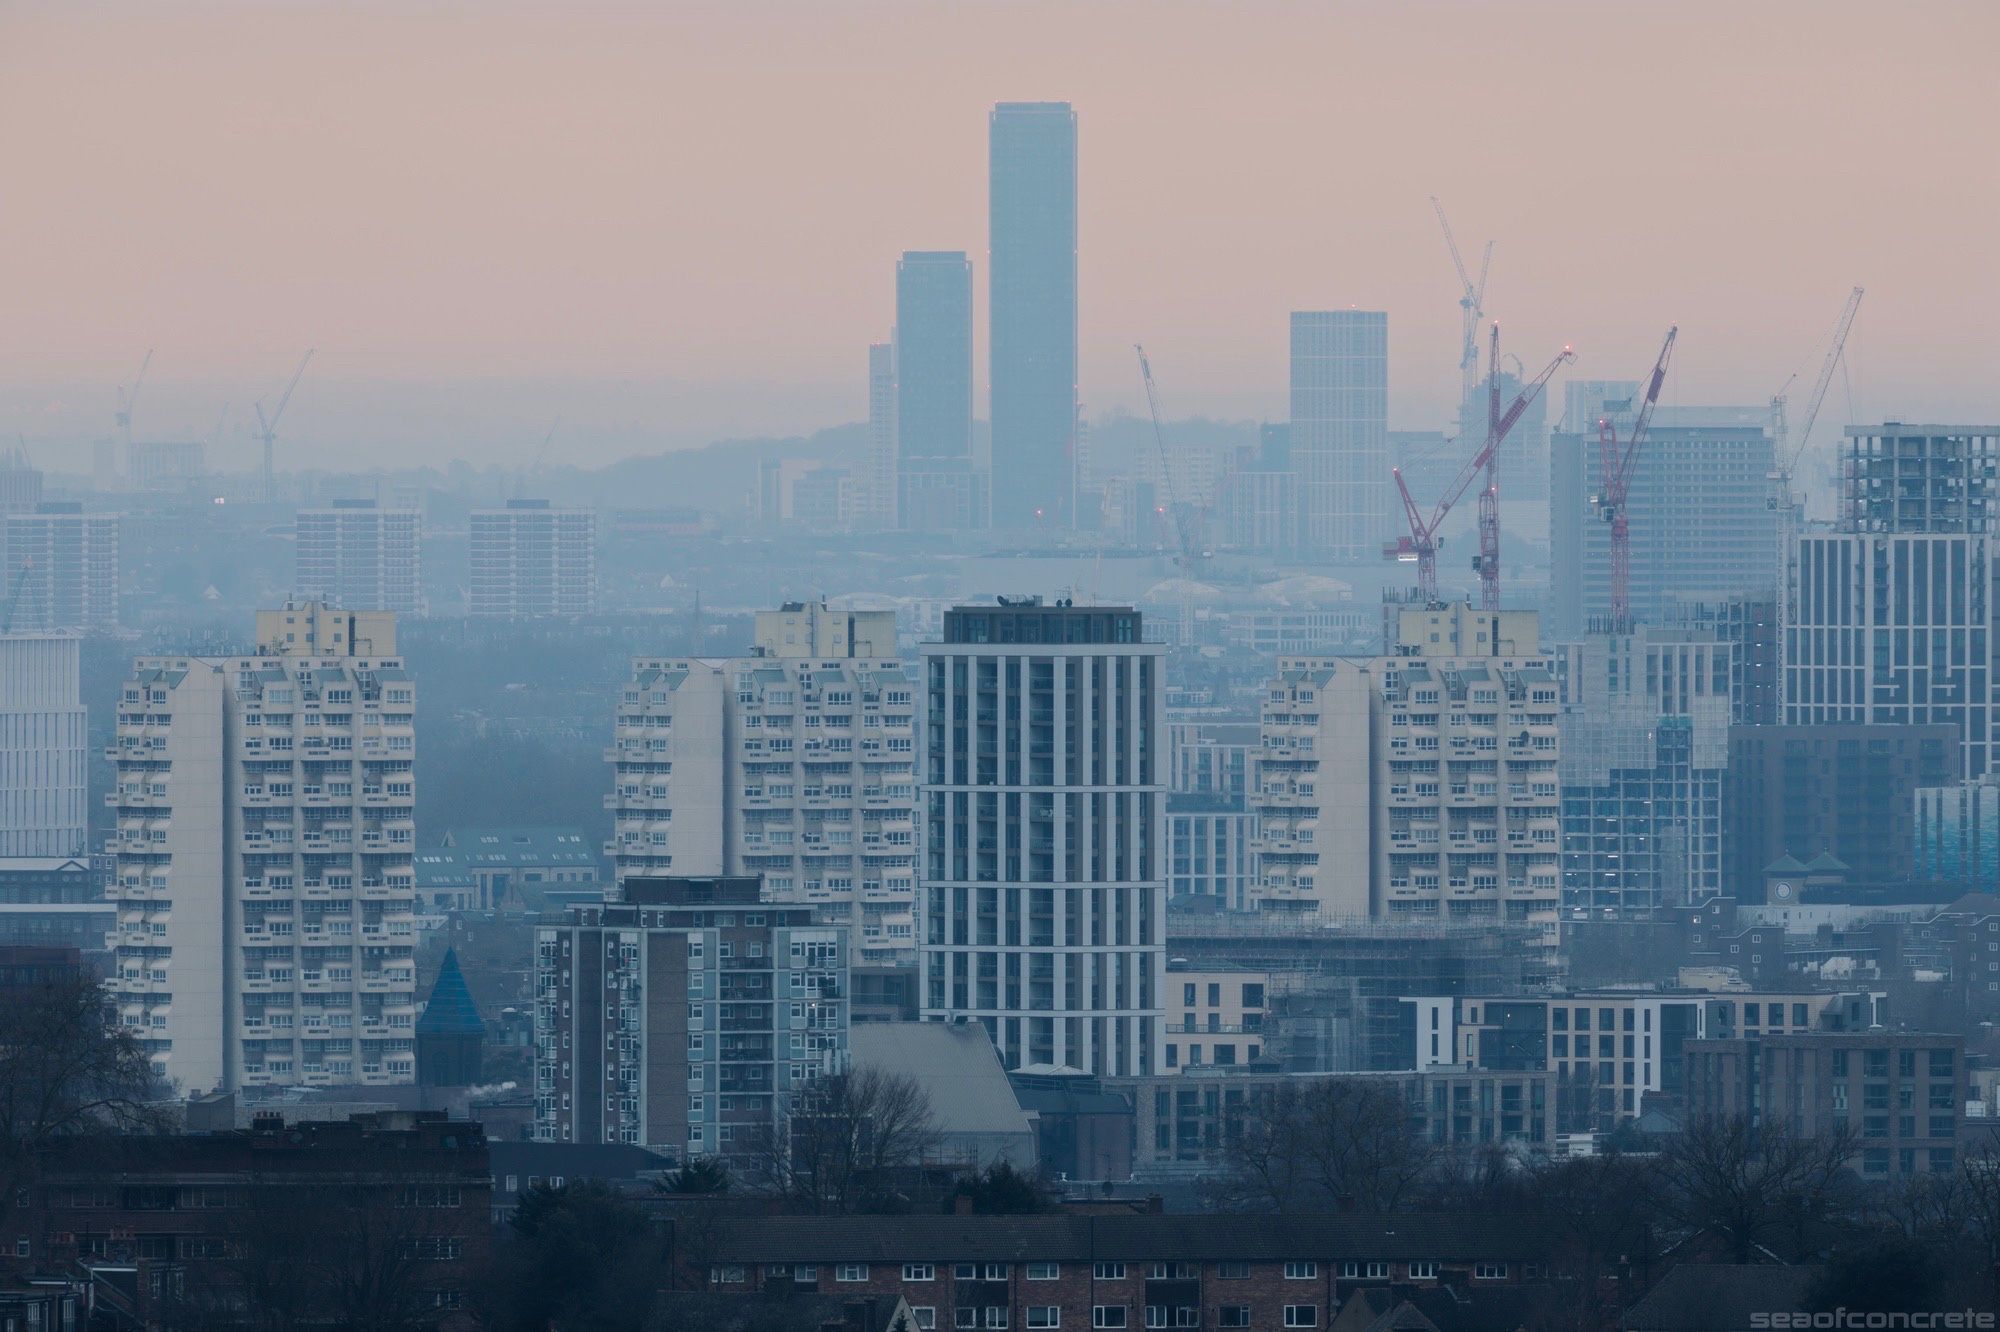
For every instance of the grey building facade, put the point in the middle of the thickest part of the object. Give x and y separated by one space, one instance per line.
1032 270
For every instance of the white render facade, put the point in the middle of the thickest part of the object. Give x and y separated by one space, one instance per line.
1045 875
263 879
530 559
1420 787
798 766
65 562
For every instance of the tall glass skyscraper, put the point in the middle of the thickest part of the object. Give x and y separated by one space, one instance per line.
1340 431
1032 231
937 487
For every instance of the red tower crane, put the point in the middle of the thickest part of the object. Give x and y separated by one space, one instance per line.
1422 543
1615 479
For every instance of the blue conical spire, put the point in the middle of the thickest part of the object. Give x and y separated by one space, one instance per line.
450 1010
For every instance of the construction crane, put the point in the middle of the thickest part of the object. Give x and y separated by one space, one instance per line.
267 427
126 401
1615 482
1788 453
14 598
1471 305
1188 521
1498 424
1421 545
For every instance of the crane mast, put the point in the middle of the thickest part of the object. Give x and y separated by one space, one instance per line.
1420 546
1471 305
1615 471
267 428
1788 456
127 400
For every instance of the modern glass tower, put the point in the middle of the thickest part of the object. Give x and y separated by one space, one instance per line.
1032 267
937 488
1340 431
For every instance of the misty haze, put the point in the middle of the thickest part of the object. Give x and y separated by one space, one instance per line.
871 665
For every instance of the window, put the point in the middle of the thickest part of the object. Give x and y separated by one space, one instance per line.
1172 1272
996 1315
1044 1272
1108 1315
1490 1271
851 1272
728 1275
1044 1315
1423 1271
1301 1272
919 1272
925 1314
1109 1272
965 1317
1302 1315
1233 1272
1233 1315
1378 1271
965 1271
995 1272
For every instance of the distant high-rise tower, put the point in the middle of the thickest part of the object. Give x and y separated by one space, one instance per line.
65 563
1893 619
1703 529
1032 270
43 735
360 557
939 489
1340 430
530 559
882 434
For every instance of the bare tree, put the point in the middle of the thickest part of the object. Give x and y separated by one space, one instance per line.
1329 1143
1745 1184
65 1071
846 1140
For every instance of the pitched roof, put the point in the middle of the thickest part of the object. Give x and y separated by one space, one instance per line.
956 1065
1182 1237
450 1010
1699 1297
1785 864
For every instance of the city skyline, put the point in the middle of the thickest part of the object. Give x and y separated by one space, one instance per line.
484 303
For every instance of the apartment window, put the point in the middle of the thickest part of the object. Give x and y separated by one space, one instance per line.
1233 1271
919 1272
728 1275
965 1317
996 1315
1301 1271
851 1272
965 1271
1043 1315
1378 1271
1423 1271
925 1314
1490 1271
1109 1272
995 1272
1044 1272
1233 1315
1108 1315
1302 1315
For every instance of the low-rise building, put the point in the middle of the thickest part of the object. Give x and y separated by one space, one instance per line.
1190 1122
345 1202
1129 1271
1214 1017
1902 1094
1610 1049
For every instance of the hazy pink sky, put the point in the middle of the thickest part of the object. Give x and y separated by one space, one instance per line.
714 195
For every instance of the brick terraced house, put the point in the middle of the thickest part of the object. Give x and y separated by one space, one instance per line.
1150 1271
